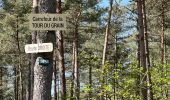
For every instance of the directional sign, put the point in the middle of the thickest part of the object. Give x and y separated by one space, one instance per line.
42 47
47 21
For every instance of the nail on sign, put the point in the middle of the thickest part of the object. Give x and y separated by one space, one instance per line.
37 48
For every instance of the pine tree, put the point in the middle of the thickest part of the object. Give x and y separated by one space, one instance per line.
43 72
106 43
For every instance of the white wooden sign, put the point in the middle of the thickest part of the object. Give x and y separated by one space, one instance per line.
37 48
47 22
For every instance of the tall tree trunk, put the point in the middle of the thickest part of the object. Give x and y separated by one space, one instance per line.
115 68
16 83
74 64
75 69
150 91
138 59
75 58
60 52
1 75
143 60
75 88
72 81
1 83
162 44
162 35
90 82
55 78
106 43
31 70
61 64
33 56
21 83
43 73
107 33
19 62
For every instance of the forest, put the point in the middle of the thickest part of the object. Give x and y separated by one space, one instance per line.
108 50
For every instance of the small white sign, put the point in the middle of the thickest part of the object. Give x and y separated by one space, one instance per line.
36 48
47 22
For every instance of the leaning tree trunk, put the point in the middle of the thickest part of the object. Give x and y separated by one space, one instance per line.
107 34
106 43
43 73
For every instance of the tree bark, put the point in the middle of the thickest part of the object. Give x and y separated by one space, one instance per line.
75 58
43 73
143 60
16 83
138 59
72 81
33 56
107 33
55 79
1 83
115 68
19 62
90 82
1 75
162 43
31 69
60 52
73 69
162 35
76 69
61 64
150 91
